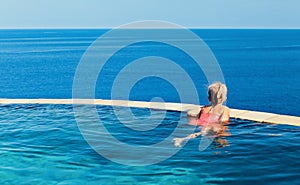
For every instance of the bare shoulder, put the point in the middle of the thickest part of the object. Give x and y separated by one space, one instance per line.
226 115
226 109
206 109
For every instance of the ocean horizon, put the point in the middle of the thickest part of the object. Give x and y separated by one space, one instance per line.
259 66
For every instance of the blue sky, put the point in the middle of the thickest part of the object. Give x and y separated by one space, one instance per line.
112 13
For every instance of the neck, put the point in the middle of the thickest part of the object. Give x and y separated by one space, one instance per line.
216 105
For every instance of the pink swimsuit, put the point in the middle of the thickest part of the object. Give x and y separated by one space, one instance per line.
209 118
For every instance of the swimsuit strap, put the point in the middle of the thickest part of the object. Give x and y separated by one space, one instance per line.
211 108
221 115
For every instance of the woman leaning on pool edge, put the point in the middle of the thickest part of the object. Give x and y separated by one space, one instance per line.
211 117
215 112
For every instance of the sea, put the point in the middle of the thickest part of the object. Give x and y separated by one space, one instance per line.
43 144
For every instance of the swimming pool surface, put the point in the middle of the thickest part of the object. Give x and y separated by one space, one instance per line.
41 144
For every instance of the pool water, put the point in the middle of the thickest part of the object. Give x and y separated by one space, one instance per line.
41 144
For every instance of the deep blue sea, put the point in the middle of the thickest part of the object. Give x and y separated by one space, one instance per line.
260 67
41 144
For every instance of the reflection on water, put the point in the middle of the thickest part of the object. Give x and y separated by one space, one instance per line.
211 134
41 144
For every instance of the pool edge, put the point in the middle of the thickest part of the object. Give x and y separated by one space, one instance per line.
257 116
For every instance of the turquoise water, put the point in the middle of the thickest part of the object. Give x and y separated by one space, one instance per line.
41 144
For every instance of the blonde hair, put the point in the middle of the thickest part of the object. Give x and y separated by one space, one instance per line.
217 92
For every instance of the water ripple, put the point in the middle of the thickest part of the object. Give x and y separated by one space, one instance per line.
41 144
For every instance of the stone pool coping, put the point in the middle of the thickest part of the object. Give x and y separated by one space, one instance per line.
263 117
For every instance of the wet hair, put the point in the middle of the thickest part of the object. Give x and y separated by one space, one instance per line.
217 92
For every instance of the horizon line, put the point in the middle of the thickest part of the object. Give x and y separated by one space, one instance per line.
49 28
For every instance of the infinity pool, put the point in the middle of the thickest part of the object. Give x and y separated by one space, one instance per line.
41 144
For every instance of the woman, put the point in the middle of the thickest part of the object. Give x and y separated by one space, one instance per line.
211 117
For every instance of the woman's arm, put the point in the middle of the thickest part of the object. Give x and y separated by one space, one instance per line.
226 115
194 115
194 112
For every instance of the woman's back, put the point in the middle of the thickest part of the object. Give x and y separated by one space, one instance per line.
210 115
